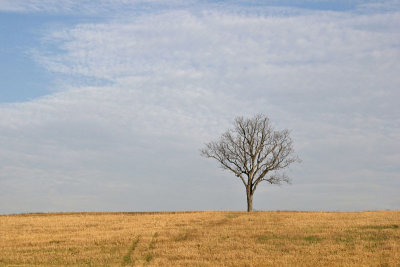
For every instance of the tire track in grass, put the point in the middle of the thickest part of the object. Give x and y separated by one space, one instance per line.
149 256
127 259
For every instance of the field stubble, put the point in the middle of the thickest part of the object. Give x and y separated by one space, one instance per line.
201 239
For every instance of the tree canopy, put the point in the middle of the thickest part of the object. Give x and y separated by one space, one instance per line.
254 151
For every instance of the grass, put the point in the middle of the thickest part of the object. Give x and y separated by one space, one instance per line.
381 227
127 259
313 239
201 239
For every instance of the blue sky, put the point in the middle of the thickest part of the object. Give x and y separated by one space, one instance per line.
20 35
105 105
17 37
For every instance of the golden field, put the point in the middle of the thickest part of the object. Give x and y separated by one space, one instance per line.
201 239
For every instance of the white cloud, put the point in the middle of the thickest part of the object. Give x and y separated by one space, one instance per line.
175 79
83 7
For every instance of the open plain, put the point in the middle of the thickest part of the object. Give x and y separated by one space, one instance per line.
201 239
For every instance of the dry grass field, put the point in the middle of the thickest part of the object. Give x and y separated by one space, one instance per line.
201 239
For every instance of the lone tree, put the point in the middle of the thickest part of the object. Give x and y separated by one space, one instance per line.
254 152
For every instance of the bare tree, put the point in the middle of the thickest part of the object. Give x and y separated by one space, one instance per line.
254 152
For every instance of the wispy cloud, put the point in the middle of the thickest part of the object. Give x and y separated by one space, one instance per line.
84 7
137 97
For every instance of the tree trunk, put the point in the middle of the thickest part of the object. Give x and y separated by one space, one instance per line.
249 201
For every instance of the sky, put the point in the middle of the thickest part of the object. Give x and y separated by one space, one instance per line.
105 105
